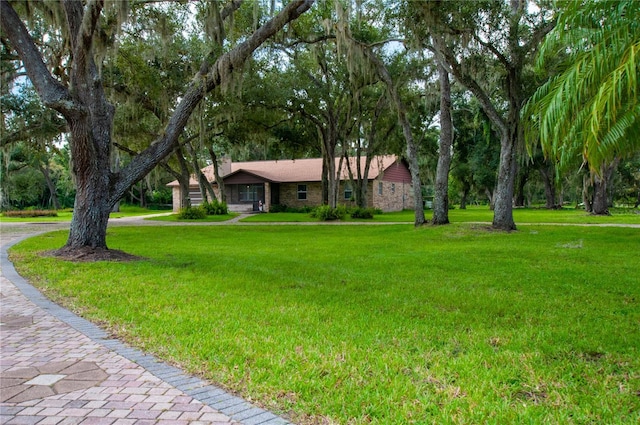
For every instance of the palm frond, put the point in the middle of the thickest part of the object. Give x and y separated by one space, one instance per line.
591 105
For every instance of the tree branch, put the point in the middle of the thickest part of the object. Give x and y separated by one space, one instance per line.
27 133
318 39
538 35
220 72
52 93
388 40
497 53
471 84
88 26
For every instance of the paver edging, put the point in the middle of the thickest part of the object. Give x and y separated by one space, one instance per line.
215 397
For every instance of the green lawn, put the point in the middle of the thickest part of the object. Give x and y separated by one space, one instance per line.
471 214
210 218
378 324
65 215
476 214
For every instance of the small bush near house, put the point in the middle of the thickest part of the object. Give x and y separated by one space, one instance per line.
215 207
303 210
31 213
278 208
192 213
326 213
364 212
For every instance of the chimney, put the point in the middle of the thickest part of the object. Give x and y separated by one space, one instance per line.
225 166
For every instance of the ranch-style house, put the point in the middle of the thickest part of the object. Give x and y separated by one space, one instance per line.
257 185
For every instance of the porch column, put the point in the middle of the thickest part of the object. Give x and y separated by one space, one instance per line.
267 197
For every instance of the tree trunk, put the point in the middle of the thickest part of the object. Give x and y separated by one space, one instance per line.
586 197
330 141
364 181
115 160
600 205
465 195
522 175
143 194
548 179
91 207
184 180
414 168
216 174
206 190
325 178
441 195
491 196
503 200
44 169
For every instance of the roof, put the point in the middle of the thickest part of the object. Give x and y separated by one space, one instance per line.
295 170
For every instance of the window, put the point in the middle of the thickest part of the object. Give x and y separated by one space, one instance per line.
348 192
393 188
380 188
249 192
302 192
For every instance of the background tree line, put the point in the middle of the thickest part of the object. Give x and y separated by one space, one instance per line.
343 79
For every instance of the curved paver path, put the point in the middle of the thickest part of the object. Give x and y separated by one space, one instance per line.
59 369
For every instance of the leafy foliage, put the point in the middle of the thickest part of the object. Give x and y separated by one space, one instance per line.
276 208
30 213
192 213
366 213
326 213
215 207
590 109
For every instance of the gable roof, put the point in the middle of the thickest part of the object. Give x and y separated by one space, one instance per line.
296 170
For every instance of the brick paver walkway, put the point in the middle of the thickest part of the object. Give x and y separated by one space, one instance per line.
57 369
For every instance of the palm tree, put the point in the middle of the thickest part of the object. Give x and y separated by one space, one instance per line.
590 108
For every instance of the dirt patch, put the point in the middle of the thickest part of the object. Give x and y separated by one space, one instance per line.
535 397
88 255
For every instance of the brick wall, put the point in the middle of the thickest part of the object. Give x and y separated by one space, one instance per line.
289 195
395 196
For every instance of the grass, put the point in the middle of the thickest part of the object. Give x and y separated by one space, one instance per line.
210 218
65 215
475 214
378 324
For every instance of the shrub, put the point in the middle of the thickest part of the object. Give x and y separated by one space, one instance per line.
215 207
362 212
326 213
192 213
276 208
31 213
304 210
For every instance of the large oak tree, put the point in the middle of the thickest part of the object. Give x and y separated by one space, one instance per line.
80 97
